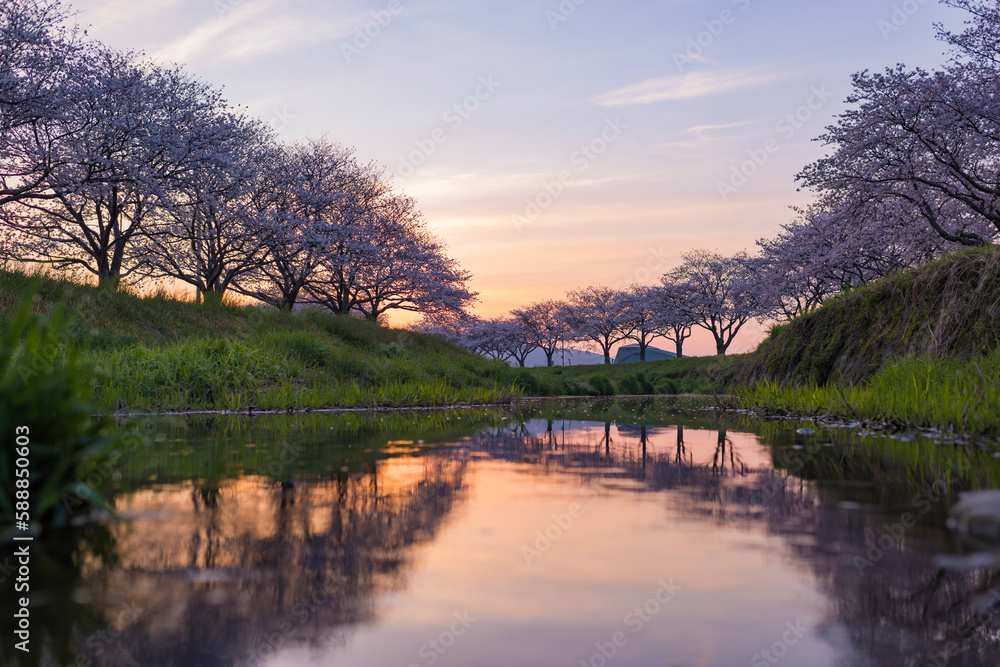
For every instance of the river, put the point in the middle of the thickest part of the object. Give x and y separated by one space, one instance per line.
631 532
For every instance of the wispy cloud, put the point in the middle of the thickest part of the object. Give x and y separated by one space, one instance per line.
703 131
697 137
256 29
689 86
110 12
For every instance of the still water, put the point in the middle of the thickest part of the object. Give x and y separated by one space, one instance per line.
585 533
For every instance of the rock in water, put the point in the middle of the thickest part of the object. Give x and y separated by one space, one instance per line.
976 518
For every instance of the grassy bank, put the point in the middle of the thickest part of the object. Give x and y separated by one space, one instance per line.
159 353
949 308
689 375
949 394
919 348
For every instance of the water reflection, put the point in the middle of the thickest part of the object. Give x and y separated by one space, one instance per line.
362 540
890 599
232 574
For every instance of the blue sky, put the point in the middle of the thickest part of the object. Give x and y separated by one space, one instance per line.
552 144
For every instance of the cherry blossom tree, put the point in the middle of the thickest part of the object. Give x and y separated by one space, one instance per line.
546 325
218 222
833 245
405 266
721 292
348 241
926 140
500 338
514 341
599 315
309 182
454 327
643 312
486 337
39 57
114 165
133 133
979 43
674 315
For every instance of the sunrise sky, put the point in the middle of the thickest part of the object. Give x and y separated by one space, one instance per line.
552 144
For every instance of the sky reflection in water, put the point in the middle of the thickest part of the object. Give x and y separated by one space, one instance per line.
534 541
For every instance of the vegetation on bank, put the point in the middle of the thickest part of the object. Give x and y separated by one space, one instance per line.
918 348
947 308
948 394
52 447
157 353
688 375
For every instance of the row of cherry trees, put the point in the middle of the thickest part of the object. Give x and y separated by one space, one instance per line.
912 173
719 294
119 167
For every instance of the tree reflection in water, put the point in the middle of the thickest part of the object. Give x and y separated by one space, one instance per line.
234 572
233 565
876 561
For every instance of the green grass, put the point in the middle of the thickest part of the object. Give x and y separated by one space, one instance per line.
51 442
920 348
689 375
158 353
947 308
943 393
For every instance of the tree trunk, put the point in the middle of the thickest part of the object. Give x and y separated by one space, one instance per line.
212 298
290 297
643 438
680 348
109 282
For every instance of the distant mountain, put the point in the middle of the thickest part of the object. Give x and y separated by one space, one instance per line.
573 358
